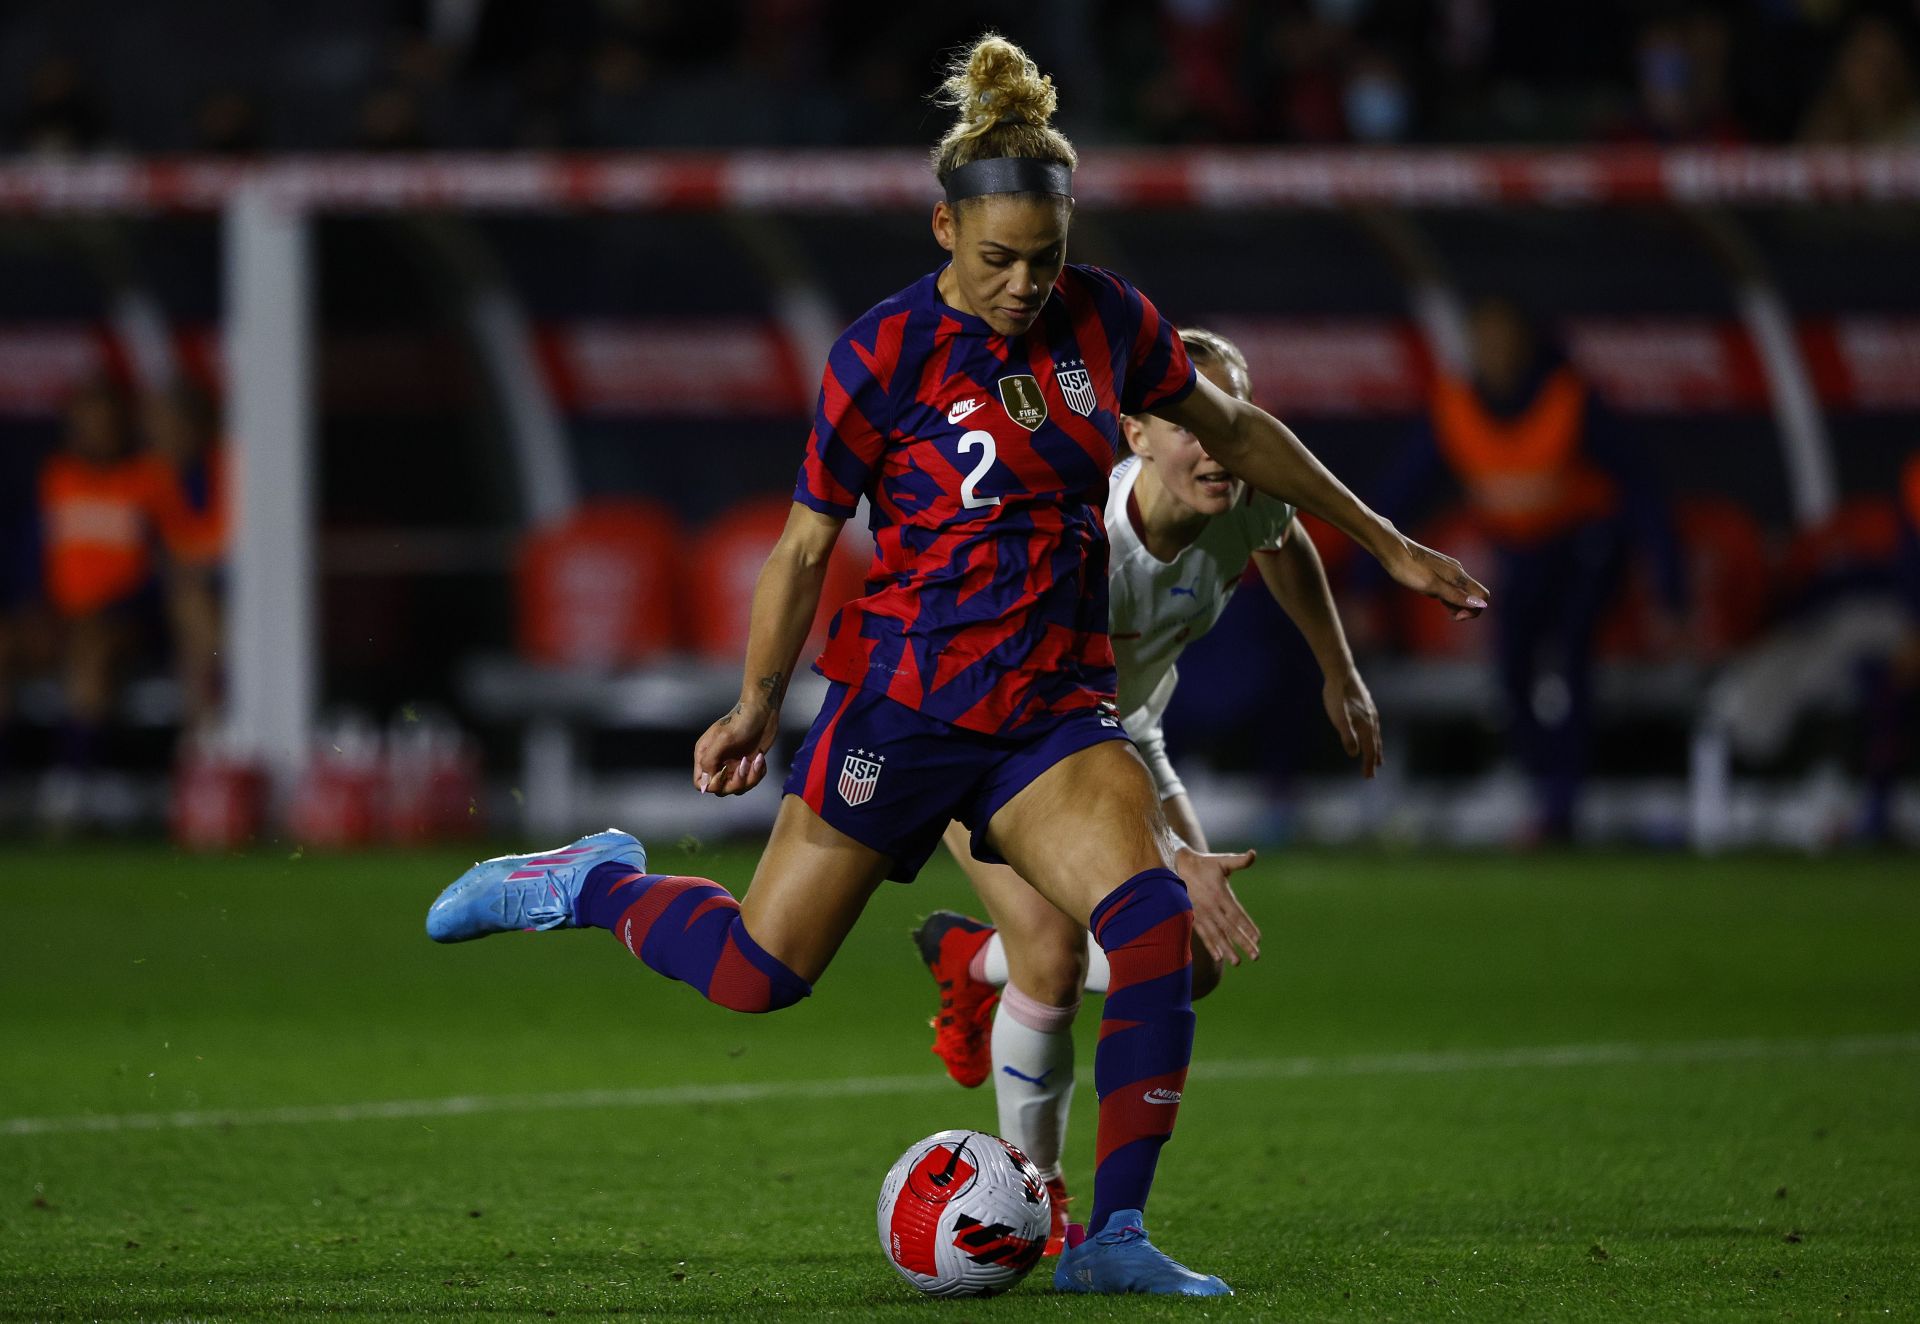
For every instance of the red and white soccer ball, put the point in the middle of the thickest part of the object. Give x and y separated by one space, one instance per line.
963 1213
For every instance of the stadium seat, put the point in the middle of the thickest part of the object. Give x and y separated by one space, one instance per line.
597 590
1855 544
725 560
1728 586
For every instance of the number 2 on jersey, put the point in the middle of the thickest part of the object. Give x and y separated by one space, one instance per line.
968 500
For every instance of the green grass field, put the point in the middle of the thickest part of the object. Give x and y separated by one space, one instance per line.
1550 1088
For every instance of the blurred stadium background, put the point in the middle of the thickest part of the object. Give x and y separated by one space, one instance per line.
435 371
397 398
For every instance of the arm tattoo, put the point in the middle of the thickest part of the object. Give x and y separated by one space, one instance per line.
774 686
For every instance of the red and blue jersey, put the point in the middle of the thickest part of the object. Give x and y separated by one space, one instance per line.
985 462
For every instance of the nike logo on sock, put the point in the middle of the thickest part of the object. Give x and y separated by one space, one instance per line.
1039 1082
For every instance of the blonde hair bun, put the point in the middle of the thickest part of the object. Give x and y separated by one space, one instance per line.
1005 107
996 81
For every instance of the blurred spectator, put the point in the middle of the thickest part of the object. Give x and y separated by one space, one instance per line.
390 121
1559 497
1203 40
1377 101
227 123
103 507
183 430
543 101
487 38
1871 94
1306 53
61 116
507 73
617 106
1464 39
1681 82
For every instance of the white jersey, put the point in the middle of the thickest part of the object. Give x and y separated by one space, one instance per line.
1156 608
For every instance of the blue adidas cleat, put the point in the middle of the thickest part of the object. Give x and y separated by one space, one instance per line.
536 891
1119 1258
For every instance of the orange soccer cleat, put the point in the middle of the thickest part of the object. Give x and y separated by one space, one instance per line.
947 943
1057 1234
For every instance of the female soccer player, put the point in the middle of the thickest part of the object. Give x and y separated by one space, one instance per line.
978 410
1183 529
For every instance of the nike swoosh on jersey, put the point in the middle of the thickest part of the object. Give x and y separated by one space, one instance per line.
961 409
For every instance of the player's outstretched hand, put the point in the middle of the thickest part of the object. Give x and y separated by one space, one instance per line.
1357 722
1438 576
1219 920
731 758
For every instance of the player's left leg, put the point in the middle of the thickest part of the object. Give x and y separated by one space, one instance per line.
1089 835
1030 1046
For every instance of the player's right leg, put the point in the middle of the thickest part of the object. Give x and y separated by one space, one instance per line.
761 955
1089 834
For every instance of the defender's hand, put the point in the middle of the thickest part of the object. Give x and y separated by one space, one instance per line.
1356 721
1219 920
731 757
1438 576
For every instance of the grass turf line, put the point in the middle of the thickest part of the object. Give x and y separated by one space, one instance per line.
1639 1189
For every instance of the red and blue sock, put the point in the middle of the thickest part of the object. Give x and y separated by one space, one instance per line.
1145 926
688 929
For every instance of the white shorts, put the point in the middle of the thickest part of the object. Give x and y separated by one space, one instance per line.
1152 744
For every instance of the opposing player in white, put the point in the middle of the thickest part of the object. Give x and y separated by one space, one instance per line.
1183 531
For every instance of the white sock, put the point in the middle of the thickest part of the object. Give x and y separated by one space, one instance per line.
990 966
1033 1075
1097 970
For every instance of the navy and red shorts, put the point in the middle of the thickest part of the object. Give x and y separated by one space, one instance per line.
892 778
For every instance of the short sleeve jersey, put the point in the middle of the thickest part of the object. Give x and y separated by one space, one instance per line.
1159 607
985 460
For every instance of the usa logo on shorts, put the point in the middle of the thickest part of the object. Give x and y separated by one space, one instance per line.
859 775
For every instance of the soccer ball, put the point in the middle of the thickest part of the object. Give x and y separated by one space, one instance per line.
963 1213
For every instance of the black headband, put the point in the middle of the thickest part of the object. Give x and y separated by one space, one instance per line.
1009 174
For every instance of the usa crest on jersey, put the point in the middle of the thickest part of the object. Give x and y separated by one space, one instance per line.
859 776
1076 384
